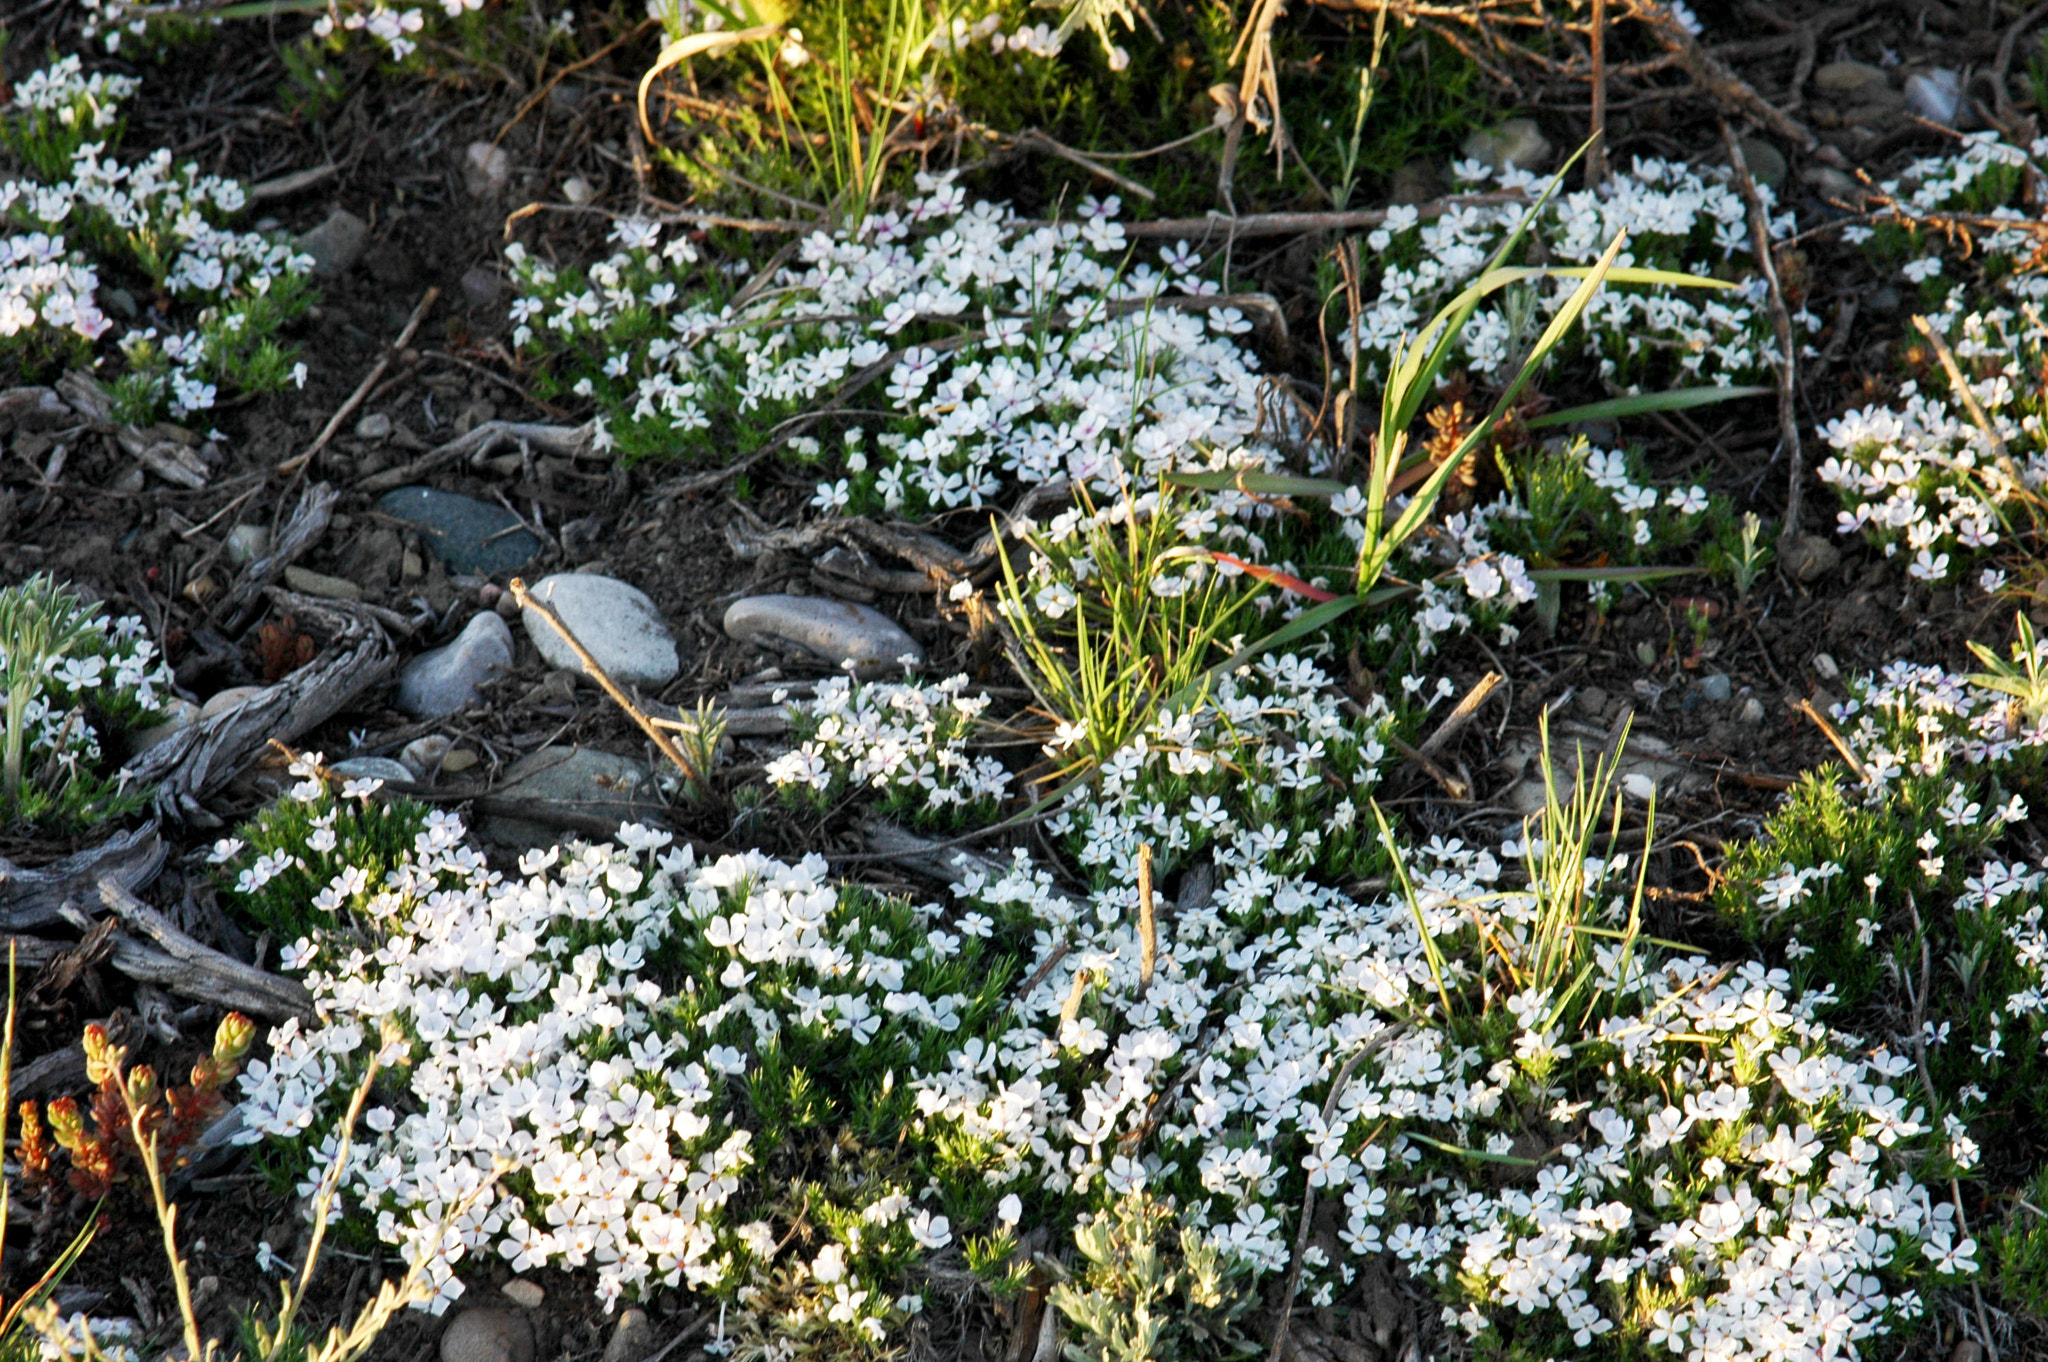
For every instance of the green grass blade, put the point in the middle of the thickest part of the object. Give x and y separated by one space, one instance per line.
1677 399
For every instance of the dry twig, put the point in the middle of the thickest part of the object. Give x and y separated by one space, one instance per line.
355 399
1781 326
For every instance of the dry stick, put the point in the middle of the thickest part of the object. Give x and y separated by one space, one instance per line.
1070 1011
548 87
419 314
1781 326
1727 89
1308 1197
1462 715
665 215
1834 736
1596 154
525 600
1033 140
1968 397
1148 922
2006 46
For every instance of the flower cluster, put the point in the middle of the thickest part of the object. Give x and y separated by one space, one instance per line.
1984 179
1922 474
1674 219
909 742
81 213
1007 353
631 1029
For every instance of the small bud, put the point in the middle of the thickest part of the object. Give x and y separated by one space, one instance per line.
102 1056
232 1040
66 1124
142 1091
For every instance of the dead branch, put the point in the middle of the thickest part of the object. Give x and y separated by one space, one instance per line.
37 898
185 967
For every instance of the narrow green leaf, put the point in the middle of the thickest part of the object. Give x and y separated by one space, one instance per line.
1608 574
1260 484
1485 1155
1677 399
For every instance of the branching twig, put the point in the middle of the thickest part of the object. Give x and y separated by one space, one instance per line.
355 399
1834 736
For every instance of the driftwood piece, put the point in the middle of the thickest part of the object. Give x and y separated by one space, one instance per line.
180 965
36 898
309 521
197 761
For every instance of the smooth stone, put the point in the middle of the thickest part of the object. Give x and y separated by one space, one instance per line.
523 1293
633 1340
246 543
1808 557
1826 668
234 697
615 621
1936 95
336 243
451 677
579 781
1517 144
372 768
1752 712
1830 183
485 169
1849 78
375 426
309 583
487 1333
1766 163
1716 688
179 714
481 287
459 530
834 632
577 190
423 756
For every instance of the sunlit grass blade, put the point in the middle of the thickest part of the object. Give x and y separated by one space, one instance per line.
1640 404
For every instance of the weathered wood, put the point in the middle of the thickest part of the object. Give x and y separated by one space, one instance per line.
195 762
308 522
180 965
36 898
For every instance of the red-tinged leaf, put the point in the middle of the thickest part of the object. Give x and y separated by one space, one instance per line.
1274 577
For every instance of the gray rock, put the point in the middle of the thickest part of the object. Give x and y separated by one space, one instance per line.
450 678
1415 182
1752 712
1808 557
486 169
481 288
1883 299
1936 95
336 244
179 714
375 426
523 1293
487 1333
309 583
1716 688
423 756
1849 78
633 1340
234 697
588 788
466 534
833 632
246 543
1518 144
616 622
1766 163
1831 184
371 768
1826 668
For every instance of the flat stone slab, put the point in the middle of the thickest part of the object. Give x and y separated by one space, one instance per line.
614 620
594 791
466 534
450 678
833 632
